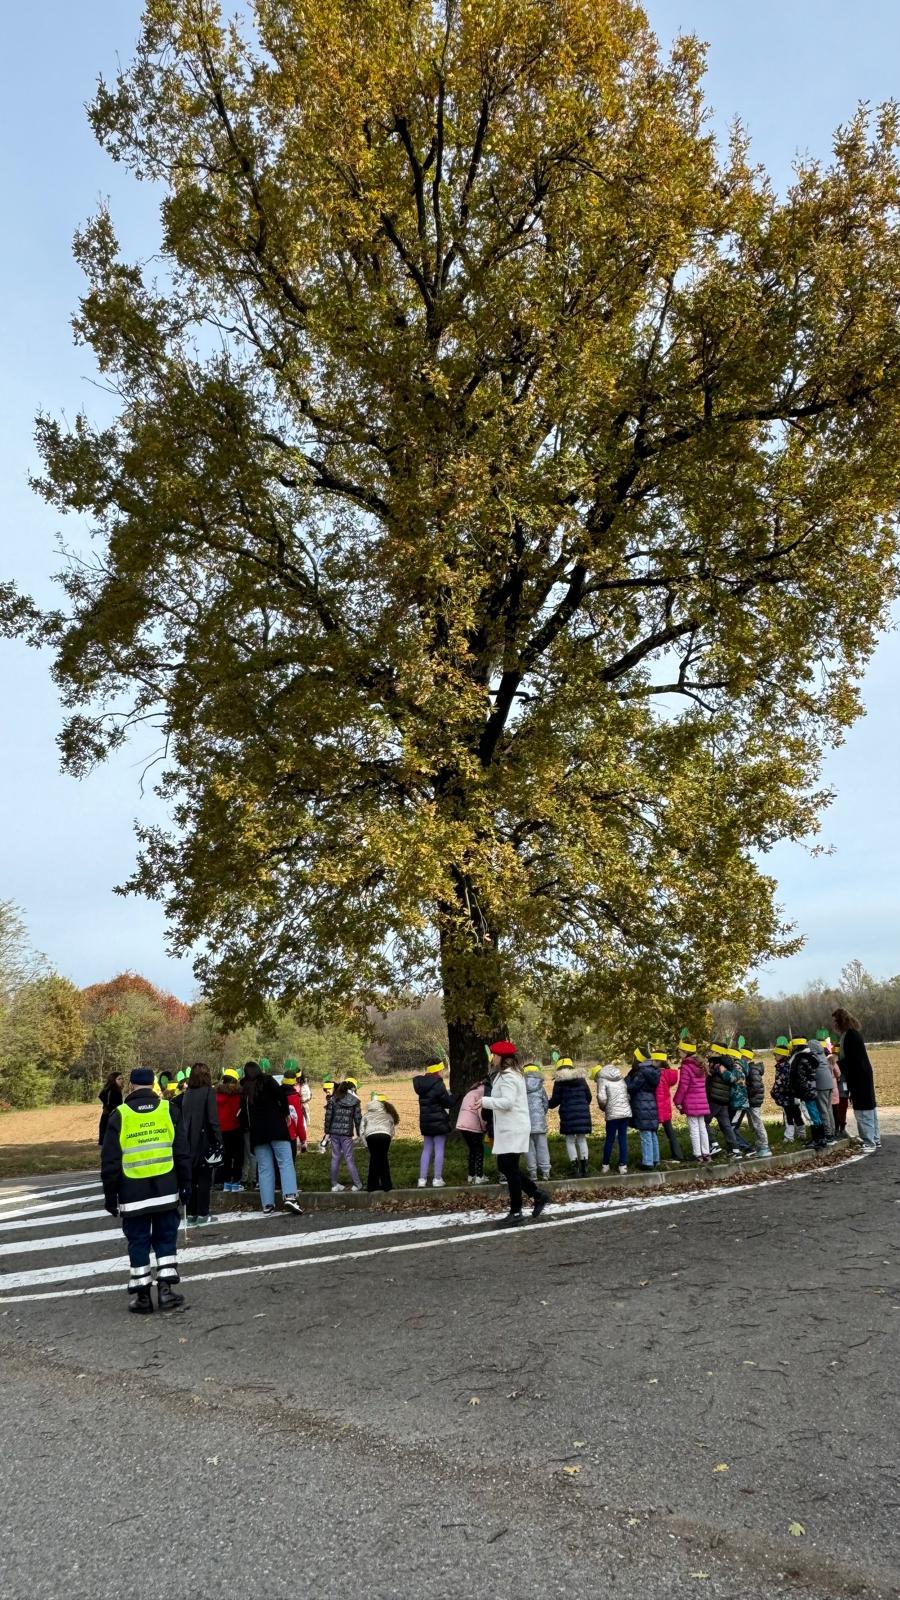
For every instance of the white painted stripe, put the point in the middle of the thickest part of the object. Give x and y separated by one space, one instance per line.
264 1244
554 1216
51 1205
19 1196
266 1241
51 1222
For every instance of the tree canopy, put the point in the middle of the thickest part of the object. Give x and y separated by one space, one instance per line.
499 511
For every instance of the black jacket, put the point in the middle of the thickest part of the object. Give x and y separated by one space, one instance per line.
857 1069
142 1194
343 1115
718 1089
756 1089
572 1098
200 1121
802 1069
641 1083
110 1096
434 1104
266 1112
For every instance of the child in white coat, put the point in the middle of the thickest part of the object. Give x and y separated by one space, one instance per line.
612 1098
508 1103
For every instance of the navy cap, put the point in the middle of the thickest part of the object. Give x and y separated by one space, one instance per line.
142 1075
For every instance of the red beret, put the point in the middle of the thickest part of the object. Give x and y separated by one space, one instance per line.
503 1047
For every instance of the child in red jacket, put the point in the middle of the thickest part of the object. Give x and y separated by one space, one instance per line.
668 1078
228 1105
296 1109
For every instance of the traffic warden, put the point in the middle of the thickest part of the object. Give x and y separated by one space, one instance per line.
146 1171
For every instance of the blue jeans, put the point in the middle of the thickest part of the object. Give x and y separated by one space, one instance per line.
649 1147
616 1128
266 1156
867 1126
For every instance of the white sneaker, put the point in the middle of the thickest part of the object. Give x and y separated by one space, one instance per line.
604 1169
438 1183
623 1169
338 1188
470 1179
422 1183
482 1179
356 1188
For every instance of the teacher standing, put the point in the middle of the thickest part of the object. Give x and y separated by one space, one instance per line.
856 1068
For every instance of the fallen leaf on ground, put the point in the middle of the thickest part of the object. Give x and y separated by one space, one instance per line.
643 1282
653 1380
797 1529
474 1401
721 1466
579 1444
212 1461
632 1522
748 1363
572 1471
257 1315
699 1574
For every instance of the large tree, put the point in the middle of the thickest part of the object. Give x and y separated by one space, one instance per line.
499 510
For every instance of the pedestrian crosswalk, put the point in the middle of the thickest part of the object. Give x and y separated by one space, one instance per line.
45 1252
59 1242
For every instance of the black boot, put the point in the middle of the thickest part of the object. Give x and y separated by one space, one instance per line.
141 1303
573 1169
583 1169
168 1299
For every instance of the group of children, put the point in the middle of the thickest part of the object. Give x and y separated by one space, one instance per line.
716 1091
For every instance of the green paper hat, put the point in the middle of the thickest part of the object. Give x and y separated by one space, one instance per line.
180 1077
742 1043
822 1035
265 1064
291 1064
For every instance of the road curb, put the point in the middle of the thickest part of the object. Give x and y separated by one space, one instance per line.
465 1197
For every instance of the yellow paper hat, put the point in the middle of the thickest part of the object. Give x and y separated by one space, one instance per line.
438 1067
532 1067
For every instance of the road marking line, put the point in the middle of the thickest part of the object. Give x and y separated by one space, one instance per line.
51 1205
262 1245
19 1197
588 1212
51 1222
69 1241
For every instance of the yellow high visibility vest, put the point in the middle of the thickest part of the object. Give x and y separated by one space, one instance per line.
146 1139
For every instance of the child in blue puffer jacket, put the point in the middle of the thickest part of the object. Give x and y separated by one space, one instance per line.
572 1098
538 1157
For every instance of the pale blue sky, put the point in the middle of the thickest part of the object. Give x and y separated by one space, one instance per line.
792 69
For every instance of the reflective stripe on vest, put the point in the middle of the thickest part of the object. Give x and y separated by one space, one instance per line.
146 1139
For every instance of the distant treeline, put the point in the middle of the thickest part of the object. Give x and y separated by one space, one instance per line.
60 1043
761 1020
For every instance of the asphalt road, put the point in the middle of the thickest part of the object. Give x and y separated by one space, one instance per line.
717 1369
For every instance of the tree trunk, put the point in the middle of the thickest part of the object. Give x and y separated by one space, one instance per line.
472 989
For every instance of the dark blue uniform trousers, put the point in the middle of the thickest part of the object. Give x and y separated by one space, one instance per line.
144 1230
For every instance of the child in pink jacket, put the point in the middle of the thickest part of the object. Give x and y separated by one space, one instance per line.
668 1077
691 1099
470 1123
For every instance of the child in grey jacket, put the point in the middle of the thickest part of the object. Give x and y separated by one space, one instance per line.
538 1157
